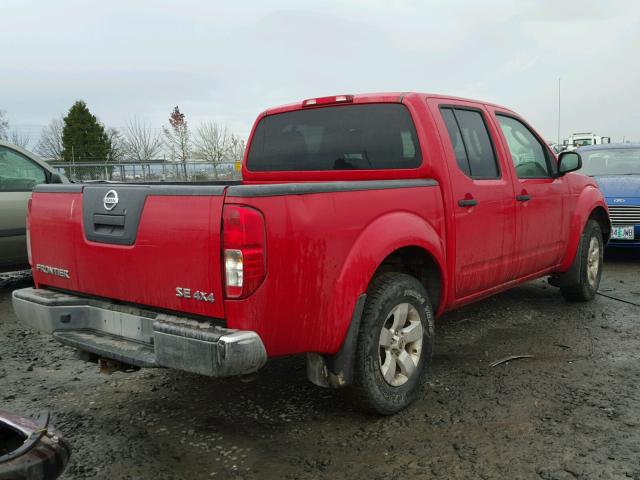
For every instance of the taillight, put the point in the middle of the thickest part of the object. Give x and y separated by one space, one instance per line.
28 234
244 250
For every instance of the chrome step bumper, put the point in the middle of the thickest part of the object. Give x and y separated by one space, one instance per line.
140 337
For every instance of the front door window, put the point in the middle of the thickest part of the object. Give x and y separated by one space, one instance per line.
527 154
17 172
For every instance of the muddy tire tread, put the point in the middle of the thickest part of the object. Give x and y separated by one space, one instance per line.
366 397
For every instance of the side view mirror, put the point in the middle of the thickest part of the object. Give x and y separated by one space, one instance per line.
569 162
55 178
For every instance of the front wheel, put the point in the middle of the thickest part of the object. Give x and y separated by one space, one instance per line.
591 251
395 343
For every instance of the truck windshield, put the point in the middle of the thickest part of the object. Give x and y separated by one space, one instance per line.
615 161
348 137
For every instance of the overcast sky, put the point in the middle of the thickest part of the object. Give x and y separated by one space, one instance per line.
227 61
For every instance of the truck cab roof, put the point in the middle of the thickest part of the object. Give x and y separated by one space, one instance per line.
375 97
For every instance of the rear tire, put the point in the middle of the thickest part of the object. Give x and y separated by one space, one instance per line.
591 252
395 344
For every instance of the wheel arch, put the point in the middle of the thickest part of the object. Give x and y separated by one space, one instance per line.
387 239
569 273
600 215
590 204
401 240
418 262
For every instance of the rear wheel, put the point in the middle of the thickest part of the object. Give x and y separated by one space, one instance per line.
591 251
395 343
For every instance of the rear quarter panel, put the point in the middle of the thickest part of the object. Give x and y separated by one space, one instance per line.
322 250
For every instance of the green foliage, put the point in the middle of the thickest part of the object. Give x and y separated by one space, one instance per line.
83 137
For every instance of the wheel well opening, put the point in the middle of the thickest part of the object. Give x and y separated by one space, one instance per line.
419 263
600 215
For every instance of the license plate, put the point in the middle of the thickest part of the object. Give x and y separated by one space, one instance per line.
624 232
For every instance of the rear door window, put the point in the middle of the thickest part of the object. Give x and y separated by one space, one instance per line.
349 137
471 143
456 140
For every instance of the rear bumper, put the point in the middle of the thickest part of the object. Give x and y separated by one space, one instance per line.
140 337
623 244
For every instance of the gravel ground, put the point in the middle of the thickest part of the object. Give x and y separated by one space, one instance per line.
570 412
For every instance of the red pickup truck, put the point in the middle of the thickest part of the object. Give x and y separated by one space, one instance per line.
360 219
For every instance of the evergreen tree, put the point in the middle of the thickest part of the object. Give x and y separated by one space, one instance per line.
83 137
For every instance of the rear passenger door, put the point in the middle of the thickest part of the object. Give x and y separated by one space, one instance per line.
482 198
542 221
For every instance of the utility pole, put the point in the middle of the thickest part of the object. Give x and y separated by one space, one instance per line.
559 112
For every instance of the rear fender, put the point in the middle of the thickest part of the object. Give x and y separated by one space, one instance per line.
378 240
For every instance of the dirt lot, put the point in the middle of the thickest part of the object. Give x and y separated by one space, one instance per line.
572 411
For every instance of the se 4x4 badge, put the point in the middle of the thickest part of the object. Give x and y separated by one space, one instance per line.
196 295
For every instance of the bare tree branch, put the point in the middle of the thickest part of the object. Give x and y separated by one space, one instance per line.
116 145
4 125
15 136
50 144
236 148
140 142
212 142
21 139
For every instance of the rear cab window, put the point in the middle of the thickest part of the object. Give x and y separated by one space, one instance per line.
376 136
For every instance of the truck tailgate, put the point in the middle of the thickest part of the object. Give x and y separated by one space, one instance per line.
140 248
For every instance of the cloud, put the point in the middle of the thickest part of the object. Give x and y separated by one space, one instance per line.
567 11
229 61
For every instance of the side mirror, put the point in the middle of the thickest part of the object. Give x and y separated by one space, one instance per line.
55 178
569 162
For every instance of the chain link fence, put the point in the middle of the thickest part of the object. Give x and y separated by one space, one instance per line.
153 171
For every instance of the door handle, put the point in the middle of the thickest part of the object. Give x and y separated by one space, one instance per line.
523 198
467 203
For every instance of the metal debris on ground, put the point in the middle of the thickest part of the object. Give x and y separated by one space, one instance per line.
508 359
618 299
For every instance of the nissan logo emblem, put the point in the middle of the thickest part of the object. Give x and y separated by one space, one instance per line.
110 200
